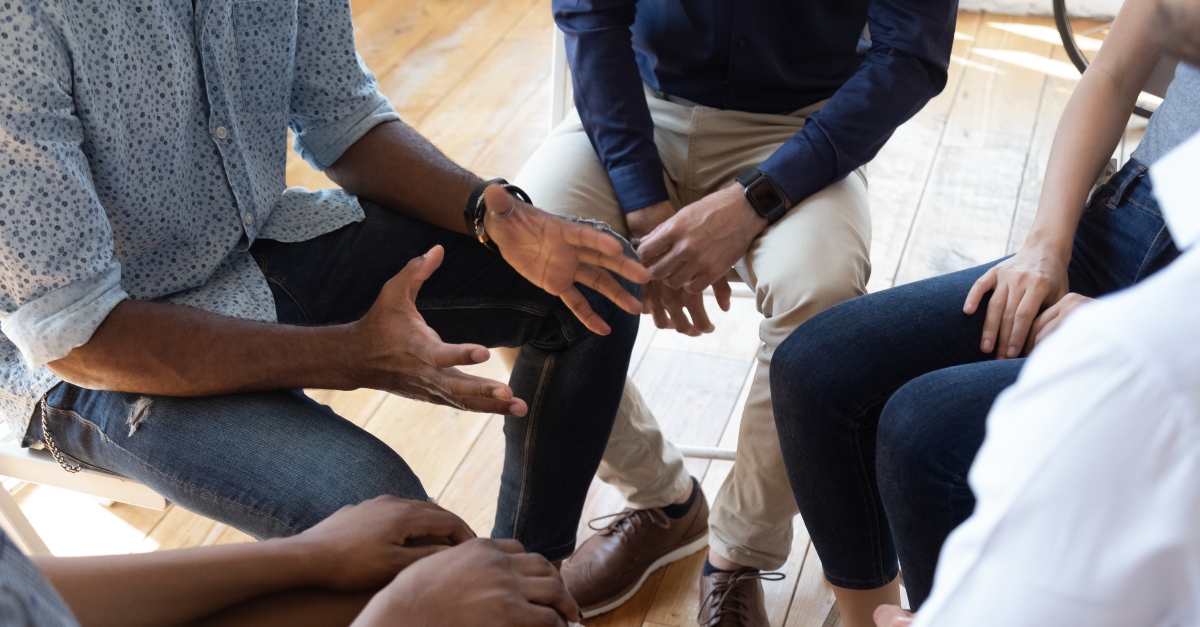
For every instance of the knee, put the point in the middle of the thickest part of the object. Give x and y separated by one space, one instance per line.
910 446
789 303
815 372
369 472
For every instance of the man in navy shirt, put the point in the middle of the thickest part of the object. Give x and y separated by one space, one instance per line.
727 134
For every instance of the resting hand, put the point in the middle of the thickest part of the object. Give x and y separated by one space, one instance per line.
1048 321
1021 285
665 303
483 583
363 546
400 354
555 254
697 246
893 616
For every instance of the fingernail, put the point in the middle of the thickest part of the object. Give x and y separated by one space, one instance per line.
987 346
501 394
1012 351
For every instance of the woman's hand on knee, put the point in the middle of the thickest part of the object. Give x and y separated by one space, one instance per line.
1021 287
363 546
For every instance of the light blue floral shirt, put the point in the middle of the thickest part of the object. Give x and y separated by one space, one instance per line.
26 598
142 150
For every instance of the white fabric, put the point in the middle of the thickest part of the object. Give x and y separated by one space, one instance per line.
1088 483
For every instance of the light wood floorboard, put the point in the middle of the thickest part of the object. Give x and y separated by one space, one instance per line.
955 186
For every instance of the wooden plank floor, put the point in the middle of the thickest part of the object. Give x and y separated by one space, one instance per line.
955 186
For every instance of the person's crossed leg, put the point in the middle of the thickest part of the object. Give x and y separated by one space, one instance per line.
274 463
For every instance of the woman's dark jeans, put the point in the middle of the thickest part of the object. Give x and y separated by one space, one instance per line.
881 402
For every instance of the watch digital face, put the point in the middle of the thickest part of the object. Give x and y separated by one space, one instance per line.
765 197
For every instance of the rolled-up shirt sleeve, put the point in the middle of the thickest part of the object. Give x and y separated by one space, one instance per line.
58 276
335 98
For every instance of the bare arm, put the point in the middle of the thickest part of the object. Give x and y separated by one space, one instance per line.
153 348
359 548
170 587
1091 125
396 167
171 350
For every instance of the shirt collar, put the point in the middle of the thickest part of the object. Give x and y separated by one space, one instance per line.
1175 184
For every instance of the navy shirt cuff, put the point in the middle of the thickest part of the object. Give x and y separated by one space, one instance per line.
798 170
638 185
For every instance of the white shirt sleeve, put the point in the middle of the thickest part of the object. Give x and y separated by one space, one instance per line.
1087 494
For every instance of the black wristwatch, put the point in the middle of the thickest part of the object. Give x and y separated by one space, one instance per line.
477 209
764 194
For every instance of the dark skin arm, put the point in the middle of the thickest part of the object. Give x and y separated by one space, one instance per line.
358 549
152 348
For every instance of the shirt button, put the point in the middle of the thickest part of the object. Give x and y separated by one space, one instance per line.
249 218
222 133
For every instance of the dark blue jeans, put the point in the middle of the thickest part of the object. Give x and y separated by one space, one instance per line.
275 463
881 401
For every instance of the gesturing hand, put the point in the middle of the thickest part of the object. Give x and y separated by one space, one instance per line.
483 583
363 546
554 254
697 246
402 355
1021 285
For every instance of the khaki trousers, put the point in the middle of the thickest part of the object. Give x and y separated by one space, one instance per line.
812 259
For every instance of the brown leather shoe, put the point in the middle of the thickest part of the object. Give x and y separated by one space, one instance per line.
734 599
609 568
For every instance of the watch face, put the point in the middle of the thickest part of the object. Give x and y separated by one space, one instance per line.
765 197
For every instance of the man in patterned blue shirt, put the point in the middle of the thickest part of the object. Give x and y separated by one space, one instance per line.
164 297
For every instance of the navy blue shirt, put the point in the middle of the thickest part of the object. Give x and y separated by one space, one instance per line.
763 56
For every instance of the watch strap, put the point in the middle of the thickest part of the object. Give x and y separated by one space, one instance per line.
765 196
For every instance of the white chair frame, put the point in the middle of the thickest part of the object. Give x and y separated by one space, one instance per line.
560 105
37 466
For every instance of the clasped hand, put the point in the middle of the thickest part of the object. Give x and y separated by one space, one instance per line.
693 250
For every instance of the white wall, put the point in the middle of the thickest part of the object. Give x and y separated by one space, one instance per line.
1082 8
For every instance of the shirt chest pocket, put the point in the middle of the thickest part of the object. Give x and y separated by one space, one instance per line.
264 33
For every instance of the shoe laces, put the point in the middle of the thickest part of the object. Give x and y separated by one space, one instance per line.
728 598
628 519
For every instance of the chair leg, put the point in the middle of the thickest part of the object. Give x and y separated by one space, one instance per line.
18 527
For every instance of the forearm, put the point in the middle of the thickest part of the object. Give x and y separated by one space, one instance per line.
395 166
173 587
1088 132
1091 125
152 348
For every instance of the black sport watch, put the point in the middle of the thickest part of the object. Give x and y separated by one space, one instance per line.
764 194
476 209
